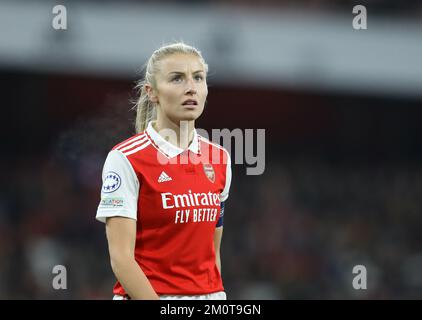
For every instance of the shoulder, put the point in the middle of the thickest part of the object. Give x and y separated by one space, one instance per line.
211 144
133 145
214 147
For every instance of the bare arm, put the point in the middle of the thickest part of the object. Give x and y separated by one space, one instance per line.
218 234
121 236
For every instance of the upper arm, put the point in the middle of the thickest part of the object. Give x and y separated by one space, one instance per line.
121 236
120 189
228 178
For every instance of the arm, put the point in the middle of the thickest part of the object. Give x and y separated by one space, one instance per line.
218 234
121 236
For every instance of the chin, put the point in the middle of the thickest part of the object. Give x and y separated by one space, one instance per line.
189 116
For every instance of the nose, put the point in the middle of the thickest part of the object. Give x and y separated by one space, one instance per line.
190 87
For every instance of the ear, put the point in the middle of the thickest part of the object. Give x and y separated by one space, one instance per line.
152 93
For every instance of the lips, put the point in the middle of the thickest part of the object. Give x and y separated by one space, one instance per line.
190 102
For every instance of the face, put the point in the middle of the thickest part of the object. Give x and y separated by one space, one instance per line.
181 88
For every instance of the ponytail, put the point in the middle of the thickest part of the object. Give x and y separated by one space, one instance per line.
145 109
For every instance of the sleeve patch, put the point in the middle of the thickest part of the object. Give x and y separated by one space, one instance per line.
111 202
112 182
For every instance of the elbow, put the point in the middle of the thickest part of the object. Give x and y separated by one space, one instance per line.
119 261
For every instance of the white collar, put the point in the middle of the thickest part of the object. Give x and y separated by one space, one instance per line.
168 148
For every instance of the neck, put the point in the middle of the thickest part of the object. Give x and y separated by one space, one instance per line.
183 131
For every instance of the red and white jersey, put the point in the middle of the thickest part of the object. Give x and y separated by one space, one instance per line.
175 197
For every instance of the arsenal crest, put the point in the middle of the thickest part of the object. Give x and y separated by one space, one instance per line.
209 171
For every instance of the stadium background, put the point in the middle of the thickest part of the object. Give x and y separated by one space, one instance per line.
341 109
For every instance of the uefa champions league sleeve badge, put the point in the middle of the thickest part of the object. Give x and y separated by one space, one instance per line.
112 182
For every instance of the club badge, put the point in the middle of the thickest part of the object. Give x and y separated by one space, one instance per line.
209 171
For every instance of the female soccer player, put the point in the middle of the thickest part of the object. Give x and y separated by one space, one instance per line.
163 191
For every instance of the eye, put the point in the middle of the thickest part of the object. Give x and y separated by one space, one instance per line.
176 78
198 77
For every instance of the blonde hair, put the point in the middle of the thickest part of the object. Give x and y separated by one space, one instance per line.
145 109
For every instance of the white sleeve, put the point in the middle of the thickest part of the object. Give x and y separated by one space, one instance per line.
225 194
120 189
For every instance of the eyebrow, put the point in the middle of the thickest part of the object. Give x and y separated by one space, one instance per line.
180 72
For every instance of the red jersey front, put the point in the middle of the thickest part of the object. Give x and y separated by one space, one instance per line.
175 195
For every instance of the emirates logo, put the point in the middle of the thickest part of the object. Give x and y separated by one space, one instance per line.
209 171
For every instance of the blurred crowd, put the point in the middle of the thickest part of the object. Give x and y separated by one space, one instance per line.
307 222
295 232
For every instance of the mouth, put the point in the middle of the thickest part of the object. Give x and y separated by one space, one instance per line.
190 102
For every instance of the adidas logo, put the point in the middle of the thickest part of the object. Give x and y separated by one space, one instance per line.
164 177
